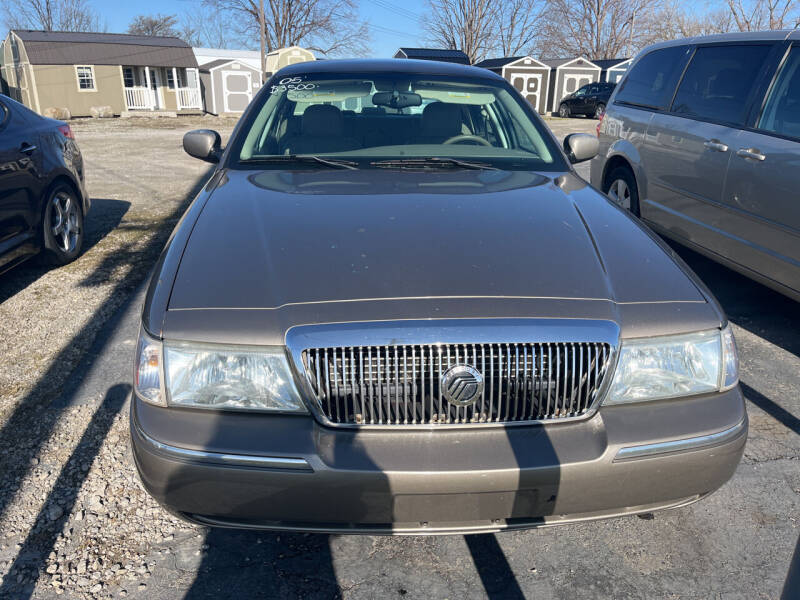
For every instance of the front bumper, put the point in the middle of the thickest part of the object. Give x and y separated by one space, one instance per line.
288 472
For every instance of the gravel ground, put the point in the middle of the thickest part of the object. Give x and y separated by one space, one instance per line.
75 522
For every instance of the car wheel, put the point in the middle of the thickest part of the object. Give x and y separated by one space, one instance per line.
599 111
621 188
563 111
62 226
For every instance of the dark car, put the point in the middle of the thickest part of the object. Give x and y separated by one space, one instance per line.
589 100
702 141
43 198
380 319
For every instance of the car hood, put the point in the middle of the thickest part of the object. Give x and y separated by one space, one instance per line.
272 239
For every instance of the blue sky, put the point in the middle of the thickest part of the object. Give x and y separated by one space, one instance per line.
394 23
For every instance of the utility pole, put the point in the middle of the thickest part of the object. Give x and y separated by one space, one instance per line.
263 36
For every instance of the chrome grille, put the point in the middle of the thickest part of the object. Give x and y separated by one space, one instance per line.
401 385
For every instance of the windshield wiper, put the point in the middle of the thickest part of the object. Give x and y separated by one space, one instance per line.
328 162
432 161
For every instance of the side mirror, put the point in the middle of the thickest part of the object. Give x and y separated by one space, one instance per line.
580 147
204 144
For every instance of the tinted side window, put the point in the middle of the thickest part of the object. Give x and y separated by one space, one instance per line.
718 82
782 110
652 80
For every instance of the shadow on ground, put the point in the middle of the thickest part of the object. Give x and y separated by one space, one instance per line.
104 216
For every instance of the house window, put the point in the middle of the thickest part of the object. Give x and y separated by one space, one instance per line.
127 77
170 79
85 78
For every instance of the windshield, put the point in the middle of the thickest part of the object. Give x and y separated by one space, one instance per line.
373 120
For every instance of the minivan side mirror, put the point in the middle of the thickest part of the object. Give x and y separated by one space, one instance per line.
205 144
580 147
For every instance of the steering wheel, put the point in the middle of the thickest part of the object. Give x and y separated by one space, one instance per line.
457 139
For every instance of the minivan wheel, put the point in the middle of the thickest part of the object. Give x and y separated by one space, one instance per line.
599 111
62 226
621 187
563 111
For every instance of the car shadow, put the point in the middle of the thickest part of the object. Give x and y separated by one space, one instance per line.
104 216
748 304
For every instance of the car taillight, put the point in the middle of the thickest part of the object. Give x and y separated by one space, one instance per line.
599 123
66 131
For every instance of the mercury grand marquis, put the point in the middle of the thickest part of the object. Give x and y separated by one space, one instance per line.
395 308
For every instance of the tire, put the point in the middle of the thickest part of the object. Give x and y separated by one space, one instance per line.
563 111
62 226
599 110
620 186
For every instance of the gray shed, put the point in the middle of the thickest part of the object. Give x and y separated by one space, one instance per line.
613 68
567 75
228 85
528 75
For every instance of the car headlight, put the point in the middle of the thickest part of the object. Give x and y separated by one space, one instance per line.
674 366
215 377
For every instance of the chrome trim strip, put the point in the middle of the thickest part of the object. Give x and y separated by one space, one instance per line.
228 460
686 444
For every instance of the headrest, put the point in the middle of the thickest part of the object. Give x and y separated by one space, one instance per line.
441 118
323 120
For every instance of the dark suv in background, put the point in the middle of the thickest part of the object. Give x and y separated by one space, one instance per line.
589 100
702 141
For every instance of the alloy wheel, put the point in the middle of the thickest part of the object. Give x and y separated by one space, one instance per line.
620 193
64 222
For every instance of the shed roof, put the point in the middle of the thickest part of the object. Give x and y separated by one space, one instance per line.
442 54
226 61
609 63
70 48
554 63
496 63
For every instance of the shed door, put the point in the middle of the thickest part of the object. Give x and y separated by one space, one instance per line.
237 90
573 81
529 85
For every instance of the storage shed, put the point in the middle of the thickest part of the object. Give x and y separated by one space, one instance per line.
81 72
567 75
528 75
228 86
613 68
283 57
440 54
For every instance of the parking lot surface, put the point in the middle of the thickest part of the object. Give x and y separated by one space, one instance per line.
74 521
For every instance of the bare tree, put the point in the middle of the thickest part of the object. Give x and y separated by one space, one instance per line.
466 25
208 29
755 15
50 15
595 29
330 27
674 21
518 25
164 25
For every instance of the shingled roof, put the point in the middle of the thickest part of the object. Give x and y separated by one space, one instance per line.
74 48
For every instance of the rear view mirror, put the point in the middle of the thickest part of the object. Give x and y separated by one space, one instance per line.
204 144
396 99
580 147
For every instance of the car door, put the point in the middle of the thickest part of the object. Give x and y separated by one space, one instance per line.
18 176
688 148
590 102
578 100
761 190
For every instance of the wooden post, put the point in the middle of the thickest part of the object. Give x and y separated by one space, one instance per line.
150 97
177 85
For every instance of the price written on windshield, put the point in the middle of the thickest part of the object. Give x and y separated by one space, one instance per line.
291 84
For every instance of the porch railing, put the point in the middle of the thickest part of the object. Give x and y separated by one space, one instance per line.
139 98
188 98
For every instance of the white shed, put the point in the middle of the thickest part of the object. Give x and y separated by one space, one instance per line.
567 75
277 59
228 86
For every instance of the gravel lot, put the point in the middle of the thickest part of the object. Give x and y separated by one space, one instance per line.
75 522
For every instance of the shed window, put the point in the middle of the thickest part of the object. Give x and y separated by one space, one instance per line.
170 79
128 77
85 77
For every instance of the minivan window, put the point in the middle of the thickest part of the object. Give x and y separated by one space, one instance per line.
652 80
782 110
718 81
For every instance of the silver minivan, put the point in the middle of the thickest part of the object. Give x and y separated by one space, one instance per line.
701 139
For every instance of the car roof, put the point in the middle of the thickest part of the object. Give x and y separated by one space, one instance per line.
739 36
388 65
